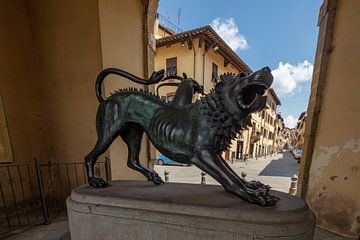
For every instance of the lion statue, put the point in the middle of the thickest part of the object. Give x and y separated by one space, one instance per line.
189 133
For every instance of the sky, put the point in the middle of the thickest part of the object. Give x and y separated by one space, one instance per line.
281 34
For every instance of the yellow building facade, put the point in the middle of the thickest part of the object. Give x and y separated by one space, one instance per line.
197 55
260 139
279 139
300 130
204 56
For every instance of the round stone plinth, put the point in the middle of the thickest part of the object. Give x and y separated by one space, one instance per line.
142 210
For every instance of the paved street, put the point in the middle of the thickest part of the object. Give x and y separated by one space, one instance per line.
275 171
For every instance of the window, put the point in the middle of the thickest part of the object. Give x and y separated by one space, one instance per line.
214 73
171 66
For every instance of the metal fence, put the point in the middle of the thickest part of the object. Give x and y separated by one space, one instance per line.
35 193
166 22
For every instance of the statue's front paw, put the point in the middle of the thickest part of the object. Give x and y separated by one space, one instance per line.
259 194
155 178
97 182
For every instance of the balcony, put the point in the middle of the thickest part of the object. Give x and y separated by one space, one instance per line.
255 137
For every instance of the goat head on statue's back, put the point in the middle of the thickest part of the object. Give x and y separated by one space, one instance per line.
189 133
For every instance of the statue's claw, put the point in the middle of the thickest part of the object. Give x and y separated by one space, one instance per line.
155 178
259 193
97 182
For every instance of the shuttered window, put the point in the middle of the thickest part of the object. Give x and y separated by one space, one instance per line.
171 66
214 73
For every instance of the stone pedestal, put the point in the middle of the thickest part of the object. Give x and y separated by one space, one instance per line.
141 210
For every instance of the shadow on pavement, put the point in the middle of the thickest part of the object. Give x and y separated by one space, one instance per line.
286 166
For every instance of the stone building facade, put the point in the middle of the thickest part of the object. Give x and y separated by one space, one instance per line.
330 166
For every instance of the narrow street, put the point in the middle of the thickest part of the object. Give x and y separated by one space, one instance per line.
275 171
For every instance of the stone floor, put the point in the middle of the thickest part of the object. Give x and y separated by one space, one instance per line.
274 171
56 230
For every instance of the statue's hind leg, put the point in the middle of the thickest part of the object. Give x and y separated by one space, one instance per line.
132 135
107 131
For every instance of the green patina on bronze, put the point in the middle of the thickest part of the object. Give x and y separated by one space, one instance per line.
191 133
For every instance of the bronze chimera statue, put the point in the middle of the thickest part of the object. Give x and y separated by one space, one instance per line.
189 133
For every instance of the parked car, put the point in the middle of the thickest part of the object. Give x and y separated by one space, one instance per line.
297 154
162 160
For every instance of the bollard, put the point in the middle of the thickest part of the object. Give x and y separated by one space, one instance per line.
293 185
203 178
166 173
243 175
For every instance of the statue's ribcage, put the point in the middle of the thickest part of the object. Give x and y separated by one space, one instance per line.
168 128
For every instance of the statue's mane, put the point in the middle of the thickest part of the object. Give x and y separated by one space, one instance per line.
220 116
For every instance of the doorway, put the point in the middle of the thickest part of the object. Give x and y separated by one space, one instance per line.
239 149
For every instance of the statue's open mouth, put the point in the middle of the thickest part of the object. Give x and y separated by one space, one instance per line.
251 93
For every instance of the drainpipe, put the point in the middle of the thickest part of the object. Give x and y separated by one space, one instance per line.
203 69
204 55
192 44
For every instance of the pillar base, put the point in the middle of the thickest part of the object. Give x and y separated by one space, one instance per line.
141 210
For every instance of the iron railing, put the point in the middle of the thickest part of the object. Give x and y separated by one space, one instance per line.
167 23
35 193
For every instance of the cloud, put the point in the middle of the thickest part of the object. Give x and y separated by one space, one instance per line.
228 31
290 121
287 77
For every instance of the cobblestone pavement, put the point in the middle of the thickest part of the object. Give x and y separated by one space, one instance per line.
275 171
